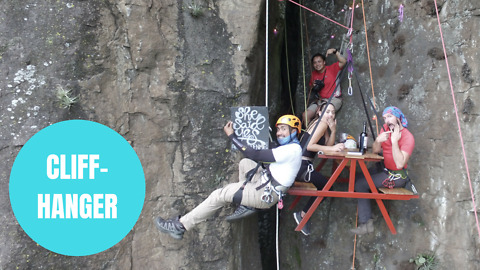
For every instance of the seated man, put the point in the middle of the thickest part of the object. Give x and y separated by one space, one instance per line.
284 163
397 144
323 82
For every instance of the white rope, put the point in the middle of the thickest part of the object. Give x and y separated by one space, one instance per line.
266 55
278 257
266 104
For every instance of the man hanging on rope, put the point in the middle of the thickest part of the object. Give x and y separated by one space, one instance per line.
397 144
323 82
263 191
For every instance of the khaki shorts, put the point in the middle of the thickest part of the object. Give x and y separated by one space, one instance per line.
336 102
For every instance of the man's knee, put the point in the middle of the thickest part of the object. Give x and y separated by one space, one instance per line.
245 163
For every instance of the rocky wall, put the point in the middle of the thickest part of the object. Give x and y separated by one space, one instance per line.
161 73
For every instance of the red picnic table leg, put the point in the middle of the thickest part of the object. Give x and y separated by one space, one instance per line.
319 199
351 179
386 217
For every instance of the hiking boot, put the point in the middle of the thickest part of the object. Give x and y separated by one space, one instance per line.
241 212
298 218
364 228
172 226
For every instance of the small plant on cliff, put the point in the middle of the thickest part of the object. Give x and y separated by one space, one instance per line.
425 261
195 10
64 98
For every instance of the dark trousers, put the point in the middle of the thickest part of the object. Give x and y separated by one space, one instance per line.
361 185
316 179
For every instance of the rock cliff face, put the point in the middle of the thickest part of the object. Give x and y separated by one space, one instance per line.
164 73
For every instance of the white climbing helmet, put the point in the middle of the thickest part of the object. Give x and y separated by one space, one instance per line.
350 143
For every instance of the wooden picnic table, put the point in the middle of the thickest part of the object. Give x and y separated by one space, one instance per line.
345 158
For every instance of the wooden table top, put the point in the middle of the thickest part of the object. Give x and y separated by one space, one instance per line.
349 154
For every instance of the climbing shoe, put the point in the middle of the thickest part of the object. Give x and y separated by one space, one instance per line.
171 226
241 212
298 218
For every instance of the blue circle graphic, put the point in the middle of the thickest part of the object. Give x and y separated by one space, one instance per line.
77 187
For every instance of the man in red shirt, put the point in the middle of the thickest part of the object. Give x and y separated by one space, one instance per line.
397 144
323 81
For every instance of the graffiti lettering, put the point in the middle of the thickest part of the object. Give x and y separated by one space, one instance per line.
249 124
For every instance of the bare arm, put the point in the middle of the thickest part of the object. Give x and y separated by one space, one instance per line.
330 138
399 157
342 61
377 144
317 135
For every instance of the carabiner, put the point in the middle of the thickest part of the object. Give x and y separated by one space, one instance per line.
268 198
350 89
350 31
350 47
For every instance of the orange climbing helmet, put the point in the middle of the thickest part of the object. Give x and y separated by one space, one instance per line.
290 120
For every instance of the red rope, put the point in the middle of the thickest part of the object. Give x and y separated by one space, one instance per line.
318 14
458 120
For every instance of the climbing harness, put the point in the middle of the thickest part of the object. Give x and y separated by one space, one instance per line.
393 176
270 185
237 197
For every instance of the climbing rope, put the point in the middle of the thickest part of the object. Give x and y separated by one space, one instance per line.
288 69
303 70
370 67
458 120
307 41
278 257
355 241
350 31
304 7
266 54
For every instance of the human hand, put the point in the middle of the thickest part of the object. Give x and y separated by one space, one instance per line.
331 51
228 128
332 124
338 147
396 135
383 137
